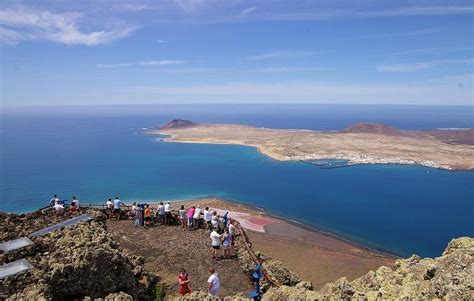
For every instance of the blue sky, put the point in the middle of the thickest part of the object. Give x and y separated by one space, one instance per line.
236 51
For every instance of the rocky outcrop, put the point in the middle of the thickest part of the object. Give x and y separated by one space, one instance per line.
76 262
178 124
449 276
372 128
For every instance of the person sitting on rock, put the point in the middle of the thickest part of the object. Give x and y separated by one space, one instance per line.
58 208
73 207
54 200
184 279
75 200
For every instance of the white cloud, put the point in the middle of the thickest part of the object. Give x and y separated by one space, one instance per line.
282 55
143 63
421 10
133 7
162 41
420 65
248 10
22 23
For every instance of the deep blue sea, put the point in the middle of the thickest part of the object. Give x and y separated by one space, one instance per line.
97 152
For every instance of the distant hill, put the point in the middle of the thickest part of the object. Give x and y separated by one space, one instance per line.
178 124
372 128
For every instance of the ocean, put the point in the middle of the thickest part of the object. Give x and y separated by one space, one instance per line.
98 152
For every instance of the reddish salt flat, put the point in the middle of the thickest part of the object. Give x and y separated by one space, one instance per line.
248 221
263 221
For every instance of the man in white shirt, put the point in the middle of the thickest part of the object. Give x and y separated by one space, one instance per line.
208 218
197 217
216 243
109 208
161 213
117 211
167 213
213 283
54 200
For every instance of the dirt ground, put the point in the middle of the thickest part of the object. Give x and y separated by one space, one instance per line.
167 249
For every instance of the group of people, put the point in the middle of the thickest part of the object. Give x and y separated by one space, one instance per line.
213 283
143 214
59 206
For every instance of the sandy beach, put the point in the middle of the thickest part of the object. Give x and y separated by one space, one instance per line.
315 256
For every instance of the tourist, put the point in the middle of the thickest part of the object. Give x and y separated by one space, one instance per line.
225 220
226 243
232 232
58 207
161 213
182 217
207 219
213 283
197 217
190 216
216 243
75 201
54 200
117 211
136 214
215 221
109 208
147 214
184 279
168 213
73 207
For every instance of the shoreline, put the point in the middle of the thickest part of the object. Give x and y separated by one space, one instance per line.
406 147
302 225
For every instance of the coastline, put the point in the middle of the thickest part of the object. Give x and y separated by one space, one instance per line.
287 241
405 148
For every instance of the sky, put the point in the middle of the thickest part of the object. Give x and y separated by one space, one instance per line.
417 52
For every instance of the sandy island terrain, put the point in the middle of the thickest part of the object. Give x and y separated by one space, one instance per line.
359 144
313 255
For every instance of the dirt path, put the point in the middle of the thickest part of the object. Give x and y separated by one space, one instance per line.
167 249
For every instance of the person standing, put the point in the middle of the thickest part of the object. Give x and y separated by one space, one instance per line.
117 211
213 283
183 217
161 213
207 219
184 279
168 213
190 216
147 213
136 214
197 217
232 232
109 207
226 243
215 243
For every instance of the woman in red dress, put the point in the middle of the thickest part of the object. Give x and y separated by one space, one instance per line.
184 287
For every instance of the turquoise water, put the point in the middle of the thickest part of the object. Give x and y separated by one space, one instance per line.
401 209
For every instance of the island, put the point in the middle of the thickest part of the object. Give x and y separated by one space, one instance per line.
362 143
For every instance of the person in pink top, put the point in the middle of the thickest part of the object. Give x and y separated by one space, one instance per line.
190 216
